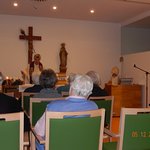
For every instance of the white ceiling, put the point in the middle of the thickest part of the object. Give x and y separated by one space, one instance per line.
115 11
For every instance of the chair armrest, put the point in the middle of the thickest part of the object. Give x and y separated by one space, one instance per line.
111 134
40 139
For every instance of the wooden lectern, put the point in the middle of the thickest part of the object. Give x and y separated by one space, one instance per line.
129 96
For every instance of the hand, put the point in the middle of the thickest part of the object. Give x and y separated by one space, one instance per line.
23 75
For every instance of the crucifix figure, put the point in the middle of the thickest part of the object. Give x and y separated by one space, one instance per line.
30 39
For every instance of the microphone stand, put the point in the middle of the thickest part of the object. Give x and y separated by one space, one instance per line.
146 73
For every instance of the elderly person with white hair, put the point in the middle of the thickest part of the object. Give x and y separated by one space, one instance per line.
97 90
80 89
65 88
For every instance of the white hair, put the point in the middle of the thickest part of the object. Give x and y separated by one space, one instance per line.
81 86
94 76
71 77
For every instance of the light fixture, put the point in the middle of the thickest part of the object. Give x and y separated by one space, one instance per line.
54 7
15 4
139 1
92 11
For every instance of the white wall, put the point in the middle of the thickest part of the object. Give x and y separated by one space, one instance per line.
90 45
141 60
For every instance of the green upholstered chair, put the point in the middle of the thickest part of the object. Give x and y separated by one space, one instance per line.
134 131
65 132
25 100
105 102
11 131
38 106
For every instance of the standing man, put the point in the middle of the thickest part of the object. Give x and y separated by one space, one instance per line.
36 68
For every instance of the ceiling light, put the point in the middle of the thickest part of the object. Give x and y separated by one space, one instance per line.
139 1
15 4
54 7
92 11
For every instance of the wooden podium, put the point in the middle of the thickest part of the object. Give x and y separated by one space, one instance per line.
129 96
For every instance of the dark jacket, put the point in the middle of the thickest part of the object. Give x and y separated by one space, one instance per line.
34 89
97 91
9 104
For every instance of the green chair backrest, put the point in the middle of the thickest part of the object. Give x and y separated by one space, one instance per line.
106 104
26 103
75 133
137 132
9 135
10 131
38 108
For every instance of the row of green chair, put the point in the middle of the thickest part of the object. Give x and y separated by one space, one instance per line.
81 133
38 106
102 102
35 107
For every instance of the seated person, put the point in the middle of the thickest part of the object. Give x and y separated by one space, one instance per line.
9 104
48 81
79 91
97 90
66 87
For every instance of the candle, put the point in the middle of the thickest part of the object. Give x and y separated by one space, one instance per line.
7 78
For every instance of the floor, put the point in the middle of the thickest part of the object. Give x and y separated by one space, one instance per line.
115 128
115 125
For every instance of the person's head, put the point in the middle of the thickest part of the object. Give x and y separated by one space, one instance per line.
71 77
48 78
94 76
81 86
37 58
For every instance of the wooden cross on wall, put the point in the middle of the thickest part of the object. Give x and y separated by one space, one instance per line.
30 39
